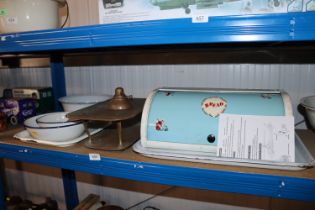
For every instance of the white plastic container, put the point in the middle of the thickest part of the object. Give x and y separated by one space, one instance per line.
29 15
76 102
309 104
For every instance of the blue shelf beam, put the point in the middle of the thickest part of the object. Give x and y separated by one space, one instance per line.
57 78
226 181
70 188
2 185
246 28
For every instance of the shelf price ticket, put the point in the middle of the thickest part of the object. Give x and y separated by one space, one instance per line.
269 138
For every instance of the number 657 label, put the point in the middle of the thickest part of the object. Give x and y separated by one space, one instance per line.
200 19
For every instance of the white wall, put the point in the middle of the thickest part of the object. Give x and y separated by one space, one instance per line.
24 77
297 80
36 187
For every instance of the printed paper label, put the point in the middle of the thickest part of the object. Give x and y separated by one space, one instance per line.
200 19
268 138
94 157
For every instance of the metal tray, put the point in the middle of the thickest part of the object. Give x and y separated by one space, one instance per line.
303 158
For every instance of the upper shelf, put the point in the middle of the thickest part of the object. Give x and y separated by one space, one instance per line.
247 28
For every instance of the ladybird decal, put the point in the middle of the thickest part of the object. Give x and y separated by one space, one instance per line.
160 125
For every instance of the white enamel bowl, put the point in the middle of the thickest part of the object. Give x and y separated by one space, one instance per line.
76 102
29 15
54 119
54 134
309 104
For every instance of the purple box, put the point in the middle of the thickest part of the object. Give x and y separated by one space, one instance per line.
16 111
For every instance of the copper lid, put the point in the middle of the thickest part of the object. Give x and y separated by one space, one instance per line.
119 100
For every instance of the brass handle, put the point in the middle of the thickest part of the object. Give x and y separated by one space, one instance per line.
119 133
87 131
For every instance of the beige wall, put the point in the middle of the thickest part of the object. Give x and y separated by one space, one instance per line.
81 13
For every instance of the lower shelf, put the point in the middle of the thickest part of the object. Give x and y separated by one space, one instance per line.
297 185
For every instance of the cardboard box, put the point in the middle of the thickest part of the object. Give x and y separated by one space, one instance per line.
15 111
81 13
42 96
114 11
309 5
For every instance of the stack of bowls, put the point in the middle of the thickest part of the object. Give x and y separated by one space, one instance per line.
309 104
54 127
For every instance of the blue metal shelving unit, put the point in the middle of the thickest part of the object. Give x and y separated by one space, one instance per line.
277 186
250 28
